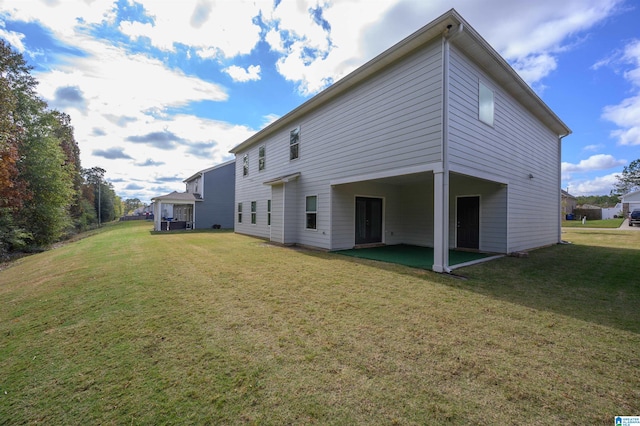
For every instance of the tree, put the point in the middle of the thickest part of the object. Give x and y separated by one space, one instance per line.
43 191
50 181
131 204
93 178
629 180
12 70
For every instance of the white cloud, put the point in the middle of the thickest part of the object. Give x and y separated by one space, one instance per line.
595 147
268 119
531 43
62 17
226 29
534 68
626 114
593 163
13 38
127 95
601 185
242 75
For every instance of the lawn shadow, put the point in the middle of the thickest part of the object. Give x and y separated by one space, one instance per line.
590 283
595 284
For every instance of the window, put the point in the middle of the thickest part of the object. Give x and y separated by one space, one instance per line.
312 211
239 212
294 143
245 165
261 158
269 212
486 104
253 212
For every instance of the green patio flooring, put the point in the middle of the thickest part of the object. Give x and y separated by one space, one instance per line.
414 256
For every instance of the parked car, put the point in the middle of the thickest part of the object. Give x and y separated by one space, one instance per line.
634 217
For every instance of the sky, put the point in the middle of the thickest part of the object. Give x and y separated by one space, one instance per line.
158 90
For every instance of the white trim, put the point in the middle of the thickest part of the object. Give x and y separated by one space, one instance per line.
475 262
456 168
422 168
282 179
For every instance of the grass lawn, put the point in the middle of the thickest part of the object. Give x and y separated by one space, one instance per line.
130 327
605 223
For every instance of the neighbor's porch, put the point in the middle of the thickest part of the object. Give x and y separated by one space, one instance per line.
174 211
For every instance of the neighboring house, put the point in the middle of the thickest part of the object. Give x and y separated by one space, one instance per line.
568 204
612 212
215 187
436 142
630 202
207 203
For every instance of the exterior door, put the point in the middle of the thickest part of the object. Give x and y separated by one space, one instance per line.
368 220
468 222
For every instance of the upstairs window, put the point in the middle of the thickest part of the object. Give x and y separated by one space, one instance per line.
294 143
261 158
486 104
239 212
245 165
311 211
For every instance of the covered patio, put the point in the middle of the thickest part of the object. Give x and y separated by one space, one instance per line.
462 219
417 257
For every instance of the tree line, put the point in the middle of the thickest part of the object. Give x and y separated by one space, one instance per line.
45 194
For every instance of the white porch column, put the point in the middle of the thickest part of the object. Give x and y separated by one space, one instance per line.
441 221
157 213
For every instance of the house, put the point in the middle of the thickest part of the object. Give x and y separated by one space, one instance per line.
436 142
568 203
630 202
208 201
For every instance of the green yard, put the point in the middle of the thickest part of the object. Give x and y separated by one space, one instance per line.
604 223
130 327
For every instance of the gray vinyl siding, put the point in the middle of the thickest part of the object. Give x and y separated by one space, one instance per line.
516 145
389 122
218 193
416 213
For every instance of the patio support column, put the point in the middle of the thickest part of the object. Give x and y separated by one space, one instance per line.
440 222
157 216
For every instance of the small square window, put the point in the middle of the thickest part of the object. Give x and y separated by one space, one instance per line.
486 104
254 209
239 212
261 158
245 165
311 211
294 143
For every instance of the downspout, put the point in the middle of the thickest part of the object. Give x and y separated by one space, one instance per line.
444 229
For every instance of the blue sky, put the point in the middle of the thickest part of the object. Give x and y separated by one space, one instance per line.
158 90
